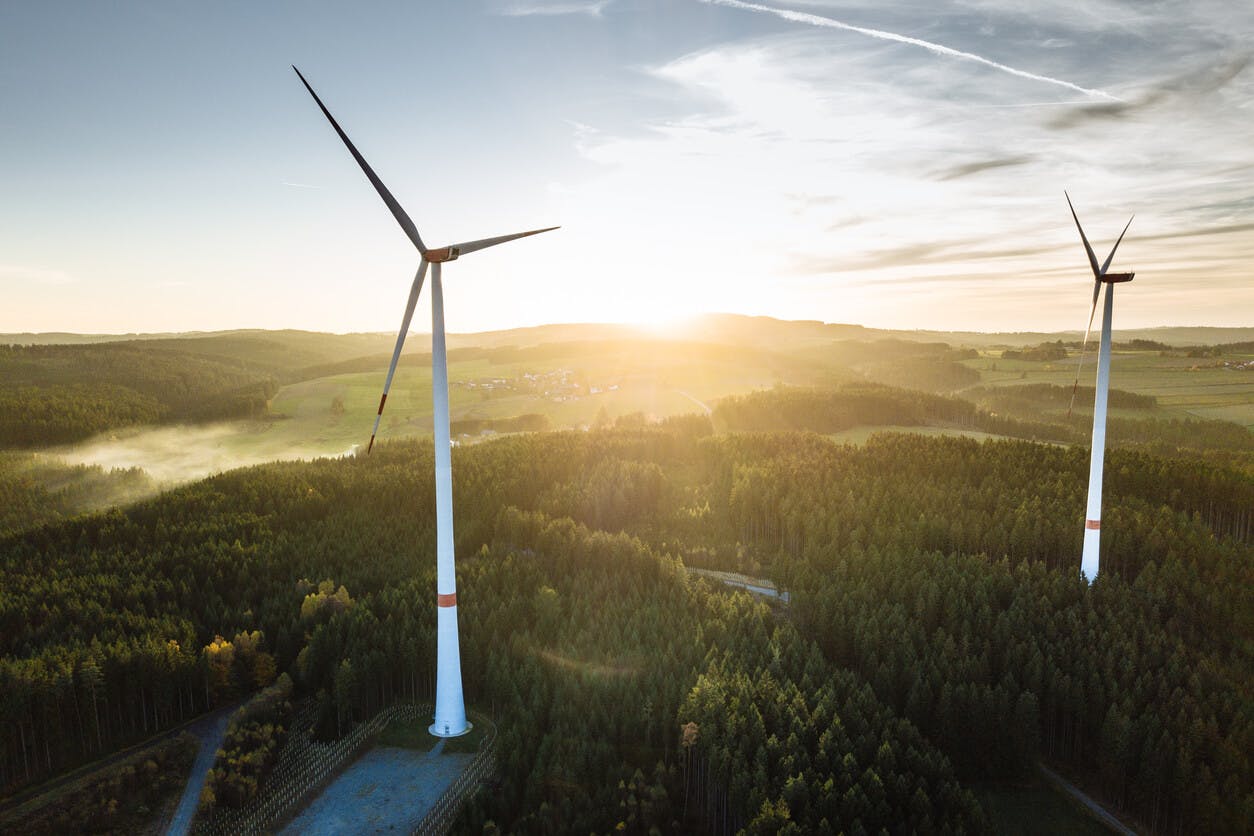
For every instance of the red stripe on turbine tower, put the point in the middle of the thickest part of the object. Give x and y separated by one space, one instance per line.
449 600
1093 525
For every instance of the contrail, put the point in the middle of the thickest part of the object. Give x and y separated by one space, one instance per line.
829 23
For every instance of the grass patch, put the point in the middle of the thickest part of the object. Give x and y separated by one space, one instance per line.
468 743
413 734
1035 809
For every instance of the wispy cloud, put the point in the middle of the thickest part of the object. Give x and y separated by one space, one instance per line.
938 49
35 275
301 185
1198 82
911 255
1224 229
967 169
593 8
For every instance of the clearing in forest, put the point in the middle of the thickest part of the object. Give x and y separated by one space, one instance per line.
387 789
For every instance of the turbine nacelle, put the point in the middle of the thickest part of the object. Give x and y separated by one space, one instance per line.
1117 278
443 254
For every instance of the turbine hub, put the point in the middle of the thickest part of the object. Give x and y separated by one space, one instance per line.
442 255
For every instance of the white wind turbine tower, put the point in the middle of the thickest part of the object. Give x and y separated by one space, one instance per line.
450 707
1093 518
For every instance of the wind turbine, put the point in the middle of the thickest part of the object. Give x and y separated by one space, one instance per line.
450 707
1093 518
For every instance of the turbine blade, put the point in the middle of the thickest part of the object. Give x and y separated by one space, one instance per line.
1097 289
414 291
397 212
1088 249
484 243
1111 257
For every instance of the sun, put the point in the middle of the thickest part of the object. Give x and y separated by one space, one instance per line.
662 311
661 321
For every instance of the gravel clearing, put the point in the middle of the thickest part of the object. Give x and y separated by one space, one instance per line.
387 790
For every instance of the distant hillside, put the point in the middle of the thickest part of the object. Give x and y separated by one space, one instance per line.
327 386
779 333
55 394
281 353
1176 335
317 347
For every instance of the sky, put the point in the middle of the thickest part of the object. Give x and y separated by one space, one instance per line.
895 164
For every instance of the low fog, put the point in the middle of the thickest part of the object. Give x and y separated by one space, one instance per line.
172 455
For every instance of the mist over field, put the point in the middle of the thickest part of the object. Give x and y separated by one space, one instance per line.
172 455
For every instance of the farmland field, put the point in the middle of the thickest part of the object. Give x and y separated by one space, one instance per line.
1184 386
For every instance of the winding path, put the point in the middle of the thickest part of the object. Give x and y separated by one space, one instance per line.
1094 807
698 402
211 730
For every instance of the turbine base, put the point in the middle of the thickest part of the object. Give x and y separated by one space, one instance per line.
442 730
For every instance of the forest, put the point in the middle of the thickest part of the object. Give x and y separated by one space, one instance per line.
938 634
56 394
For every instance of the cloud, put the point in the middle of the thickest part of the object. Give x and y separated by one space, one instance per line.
1198 232
938 49
1238 206
912 254
1186 87
592 8
302 185
967 169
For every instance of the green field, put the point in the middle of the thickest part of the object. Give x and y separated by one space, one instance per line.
573 390
591 382
413 734
1186 387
